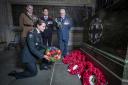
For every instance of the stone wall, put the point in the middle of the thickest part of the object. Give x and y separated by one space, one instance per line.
6 22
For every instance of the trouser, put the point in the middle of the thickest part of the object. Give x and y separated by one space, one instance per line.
29 71
63 45
47 40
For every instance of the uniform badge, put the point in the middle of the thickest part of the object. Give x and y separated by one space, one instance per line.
66 22
30 35
50 22
36 43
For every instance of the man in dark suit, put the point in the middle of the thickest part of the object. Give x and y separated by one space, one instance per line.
34 49
47 34
63 24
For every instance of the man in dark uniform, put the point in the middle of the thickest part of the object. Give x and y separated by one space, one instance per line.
33 49
63 24
47 34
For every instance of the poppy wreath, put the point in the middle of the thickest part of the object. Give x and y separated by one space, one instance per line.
73 57
53 53
76 68
84 69
93 76
87 65
79 67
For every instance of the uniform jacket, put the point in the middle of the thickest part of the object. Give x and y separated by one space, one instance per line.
64 27
49 26
25 19
34 48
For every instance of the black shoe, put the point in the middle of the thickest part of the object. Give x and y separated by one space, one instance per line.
12 74
49 66
43 67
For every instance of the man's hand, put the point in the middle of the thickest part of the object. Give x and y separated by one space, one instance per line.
46 57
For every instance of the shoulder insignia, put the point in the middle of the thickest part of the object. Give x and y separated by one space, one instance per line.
30 35
32 30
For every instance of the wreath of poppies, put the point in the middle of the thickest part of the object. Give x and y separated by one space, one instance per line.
88 65
86 71
99 77
76 68
74 57
79 67
53 53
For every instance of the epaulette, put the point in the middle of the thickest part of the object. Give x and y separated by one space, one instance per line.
30 34
32 31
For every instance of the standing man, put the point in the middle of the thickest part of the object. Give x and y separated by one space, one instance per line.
26 22
63 24
47 34
33 49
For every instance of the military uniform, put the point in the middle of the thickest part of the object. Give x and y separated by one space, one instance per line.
26 23
63 27
33 49
47 34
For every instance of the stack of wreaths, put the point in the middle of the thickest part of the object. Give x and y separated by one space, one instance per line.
86 71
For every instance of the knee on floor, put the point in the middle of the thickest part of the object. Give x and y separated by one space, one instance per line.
34 73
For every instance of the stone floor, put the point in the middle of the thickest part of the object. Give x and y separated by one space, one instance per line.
57 75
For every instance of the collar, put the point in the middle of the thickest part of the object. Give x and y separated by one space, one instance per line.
38 31
63 17
45 16
29 14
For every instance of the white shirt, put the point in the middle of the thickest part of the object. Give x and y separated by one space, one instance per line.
45 17
29 14
38 31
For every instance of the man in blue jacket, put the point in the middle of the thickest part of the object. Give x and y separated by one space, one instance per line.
63 24
34 49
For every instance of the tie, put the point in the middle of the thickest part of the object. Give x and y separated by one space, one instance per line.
62 19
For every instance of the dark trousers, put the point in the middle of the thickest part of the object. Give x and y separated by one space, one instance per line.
63 45
29 71
47 40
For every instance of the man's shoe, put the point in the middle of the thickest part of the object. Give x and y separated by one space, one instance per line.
43 67
12 74
49 66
